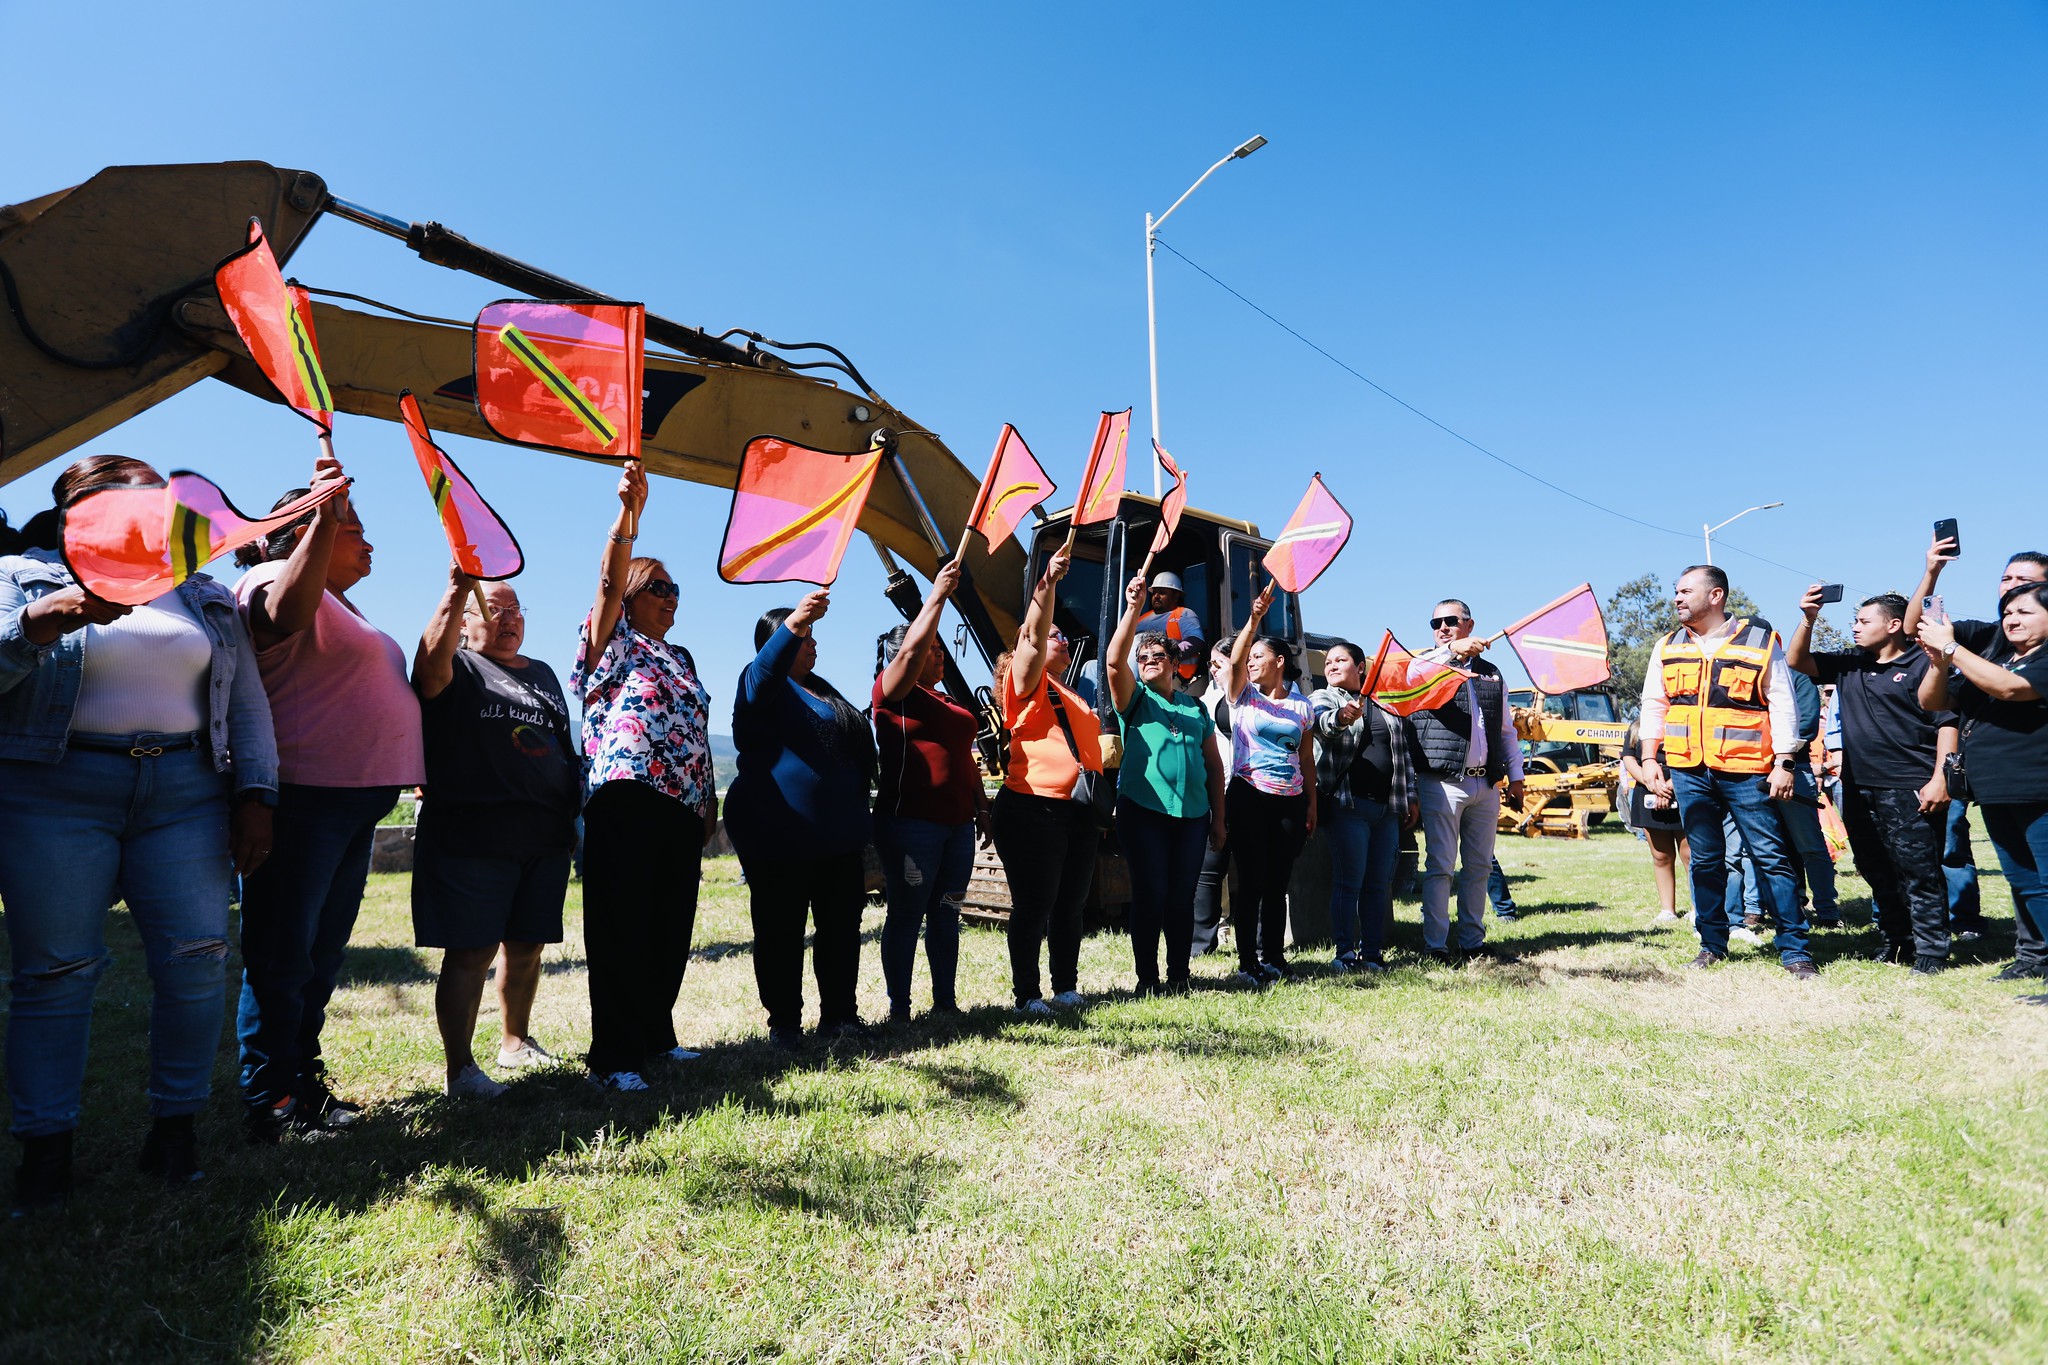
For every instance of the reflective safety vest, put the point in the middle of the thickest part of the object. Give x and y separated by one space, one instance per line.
1719 717
1180 625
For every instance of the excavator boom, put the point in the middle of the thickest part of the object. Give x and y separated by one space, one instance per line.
112 309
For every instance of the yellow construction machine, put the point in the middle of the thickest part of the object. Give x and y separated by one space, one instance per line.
1571 758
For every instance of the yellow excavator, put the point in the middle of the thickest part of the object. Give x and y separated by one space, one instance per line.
111 309
1571 759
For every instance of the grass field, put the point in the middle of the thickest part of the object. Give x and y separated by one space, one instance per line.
1588 1154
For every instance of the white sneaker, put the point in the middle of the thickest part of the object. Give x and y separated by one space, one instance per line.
470 1083
1248 980
619 1080
1749 936
1667 917
1069 1000
528 1053
1035 1009
681 1054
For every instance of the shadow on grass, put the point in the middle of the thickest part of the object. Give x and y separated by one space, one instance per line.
524 1250
385 965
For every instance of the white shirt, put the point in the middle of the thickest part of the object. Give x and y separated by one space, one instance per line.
1777 693
1476 748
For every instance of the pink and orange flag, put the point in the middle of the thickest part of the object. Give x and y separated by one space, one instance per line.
478 538
1102 486
275 321
1563 645
1397 681
133 543
563 375
1173 504
1015 483
793 511
1311 539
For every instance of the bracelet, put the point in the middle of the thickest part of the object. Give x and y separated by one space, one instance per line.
624 540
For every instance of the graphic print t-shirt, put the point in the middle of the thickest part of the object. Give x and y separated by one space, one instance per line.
502 774
1265 739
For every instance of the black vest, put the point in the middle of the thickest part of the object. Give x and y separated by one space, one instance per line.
1445 735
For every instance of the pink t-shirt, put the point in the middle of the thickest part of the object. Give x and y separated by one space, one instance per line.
345 715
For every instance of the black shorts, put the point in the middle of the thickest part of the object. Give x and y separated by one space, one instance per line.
460 901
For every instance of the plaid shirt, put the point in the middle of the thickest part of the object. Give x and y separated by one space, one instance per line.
1337 748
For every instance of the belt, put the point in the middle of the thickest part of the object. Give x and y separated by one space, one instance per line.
142 746
1447 773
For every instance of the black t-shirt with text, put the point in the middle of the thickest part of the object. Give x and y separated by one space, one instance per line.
1887 740
503 778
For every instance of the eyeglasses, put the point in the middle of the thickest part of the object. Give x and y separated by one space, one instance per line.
1152 657
663 589
1056 634
1442 622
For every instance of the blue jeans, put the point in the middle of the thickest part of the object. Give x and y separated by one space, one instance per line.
1705 799
1959 866
2020 834
926 867
1365 844
1809 847
1739 899
297 913
1497 891
80 834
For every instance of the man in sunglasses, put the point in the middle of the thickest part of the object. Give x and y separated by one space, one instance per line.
1468 745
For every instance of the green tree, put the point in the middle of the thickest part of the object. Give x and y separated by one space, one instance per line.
1638 615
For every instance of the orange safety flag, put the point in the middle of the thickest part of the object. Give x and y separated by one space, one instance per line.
1405 685
1311 539
1173 504
564 375
1015 483
1102 486
275 321
1563 645
793 511
132 543
483 545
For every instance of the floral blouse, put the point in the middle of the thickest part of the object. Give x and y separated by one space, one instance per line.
645 716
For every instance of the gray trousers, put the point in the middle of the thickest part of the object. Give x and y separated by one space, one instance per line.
1460 821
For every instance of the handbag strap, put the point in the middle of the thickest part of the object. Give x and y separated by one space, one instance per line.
1059 712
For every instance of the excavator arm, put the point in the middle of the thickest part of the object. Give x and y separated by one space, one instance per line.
112 309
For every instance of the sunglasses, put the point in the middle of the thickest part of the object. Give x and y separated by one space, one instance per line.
1152 657
1056 634
1440 622
663 589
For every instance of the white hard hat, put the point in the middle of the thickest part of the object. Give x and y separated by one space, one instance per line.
1168 580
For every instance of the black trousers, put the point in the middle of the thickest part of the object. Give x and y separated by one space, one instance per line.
1048 850
1266 834
1898 851
830 891
1209 899
1165 857
643 861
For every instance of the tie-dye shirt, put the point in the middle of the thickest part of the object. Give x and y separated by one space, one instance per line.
1265 739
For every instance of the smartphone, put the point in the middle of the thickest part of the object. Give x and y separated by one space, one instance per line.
1932 607
1945 529
1830 592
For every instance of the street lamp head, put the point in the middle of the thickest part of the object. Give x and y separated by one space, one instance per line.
1248 148
1769 505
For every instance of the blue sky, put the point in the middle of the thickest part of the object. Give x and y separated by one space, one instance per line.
1679 259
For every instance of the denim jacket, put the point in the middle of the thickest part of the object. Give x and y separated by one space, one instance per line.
39 683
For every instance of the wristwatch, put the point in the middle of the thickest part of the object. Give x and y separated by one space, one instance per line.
1948 651
1787 762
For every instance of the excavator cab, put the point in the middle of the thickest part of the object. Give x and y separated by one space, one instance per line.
1220 561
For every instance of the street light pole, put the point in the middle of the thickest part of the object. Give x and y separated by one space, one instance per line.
1152 226
1707 532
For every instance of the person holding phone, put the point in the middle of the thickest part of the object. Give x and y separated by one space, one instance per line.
1987 640
1893 750
2004 710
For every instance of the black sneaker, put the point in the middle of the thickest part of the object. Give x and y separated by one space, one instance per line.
786 1039
171 1152
1445 956
1827 921
1927 965
1176 985
1707 958
1893 952
43 1180
266 1125
320 1108
2019 971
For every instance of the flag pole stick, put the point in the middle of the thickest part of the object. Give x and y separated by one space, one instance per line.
961 552
477 591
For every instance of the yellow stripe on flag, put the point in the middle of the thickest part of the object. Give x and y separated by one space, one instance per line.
305 361
746 559
191 540
557 383
1012 491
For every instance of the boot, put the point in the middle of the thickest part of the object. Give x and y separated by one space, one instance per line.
43 1180
171 1152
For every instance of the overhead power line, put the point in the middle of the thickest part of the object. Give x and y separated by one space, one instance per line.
1456 435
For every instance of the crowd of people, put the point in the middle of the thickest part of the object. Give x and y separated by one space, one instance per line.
154 754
